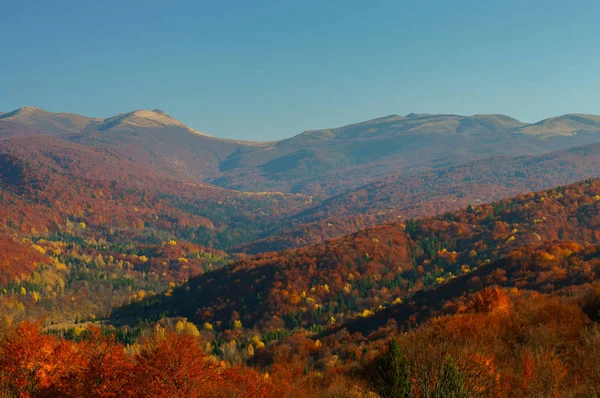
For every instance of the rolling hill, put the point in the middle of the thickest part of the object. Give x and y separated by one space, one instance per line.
84 230
65 177
566 125
49 122
370 270
404 196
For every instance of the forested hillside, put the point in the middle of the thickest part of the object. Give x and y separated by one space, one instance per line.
405 196
84 230
492 300
371 269
497 292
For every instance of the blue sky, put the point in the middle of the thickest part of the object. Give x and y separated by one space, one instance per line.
261 70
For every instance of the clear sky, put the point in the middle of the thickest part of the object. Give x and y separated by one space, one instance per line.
261 70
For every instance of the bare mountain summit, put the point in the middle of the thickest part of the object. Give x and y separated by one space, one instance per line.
144 119
48 122
566 125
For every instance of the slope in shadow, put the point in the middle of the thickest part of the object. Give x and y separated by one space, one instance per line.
191 301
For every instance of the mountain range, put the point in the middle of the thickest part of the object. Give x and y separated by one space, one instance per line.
314 162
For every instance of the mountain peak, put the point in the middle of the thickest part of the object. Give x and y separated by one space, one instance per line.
565 125
49 122
495 116
416 115
28 109
24 111
143 118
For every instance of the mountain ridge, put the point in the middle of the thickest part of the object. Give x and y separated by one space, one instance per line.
159 116
314 162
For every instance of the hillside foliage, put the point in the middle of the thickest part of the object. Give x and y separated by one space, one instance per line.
123 273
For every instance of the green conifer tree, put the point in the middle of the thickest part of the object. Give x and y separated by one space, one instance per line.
451 384
392 375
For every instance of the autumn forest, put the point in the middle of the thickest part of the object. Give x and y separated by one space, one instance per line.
141 258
